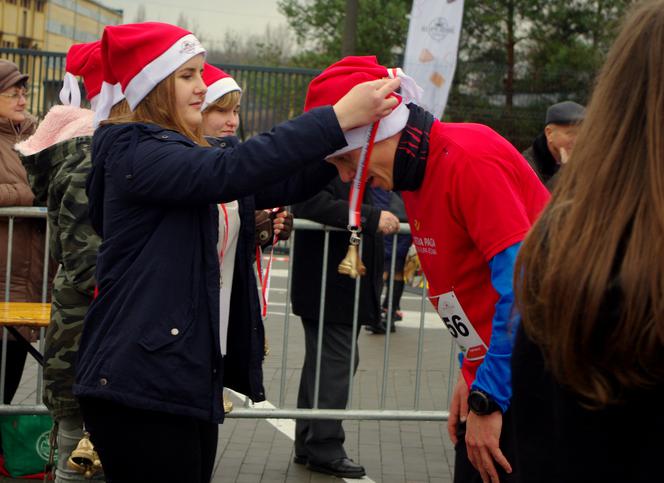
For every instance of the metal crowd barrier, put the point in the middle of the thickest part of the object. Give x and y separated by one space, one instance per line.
281 411
11 214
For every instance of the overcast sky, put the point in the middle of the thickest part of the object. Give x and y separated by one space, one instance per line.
213 16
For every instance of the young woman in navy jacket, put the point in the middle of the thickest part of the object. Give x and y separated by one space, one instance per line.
149 374
240 308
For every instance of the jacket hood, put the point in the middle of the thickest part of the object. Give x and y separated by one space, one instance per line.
20 130
94 186
109 142
60 124
54 140
45 166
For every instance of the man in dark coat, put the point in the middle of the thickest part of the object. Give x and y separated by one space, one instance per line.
319 443
552 148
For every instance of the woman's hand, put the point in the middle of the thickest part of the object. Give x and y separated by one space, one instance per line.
366 103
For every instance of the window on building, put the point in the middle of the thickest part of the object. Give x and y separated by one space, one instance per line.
39 5
25 3
13 2
7 44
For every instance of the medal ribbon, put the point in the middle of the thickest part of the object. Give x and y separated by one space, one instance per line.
265 277
360 180
226 228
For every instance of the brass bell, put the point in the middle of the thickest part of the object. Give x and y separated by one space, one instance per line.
84 459
228 405
352 265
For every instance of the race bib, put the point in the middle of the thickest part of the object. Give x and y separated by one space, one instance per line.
450 311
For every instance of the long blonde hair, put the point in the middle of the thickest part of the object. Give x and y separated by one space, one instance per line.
158 107
590 275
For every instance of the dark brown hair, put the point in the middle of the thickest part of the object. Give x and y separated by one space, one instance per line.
158 107
604 229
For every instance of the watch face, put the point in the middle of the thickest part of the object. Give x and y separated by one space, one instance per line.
479 402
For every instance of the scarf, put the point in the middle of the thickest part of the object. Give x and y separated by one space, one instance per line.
410 161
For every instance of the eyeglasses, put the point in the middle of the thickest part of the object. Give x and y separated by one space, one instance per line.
14 96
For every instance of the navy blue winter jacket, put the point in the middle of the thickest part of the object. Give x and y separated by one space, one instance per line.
151 337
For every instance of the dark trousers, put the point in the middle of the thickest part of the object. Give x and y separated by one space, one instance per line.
139 446
16 355
323 440
465 472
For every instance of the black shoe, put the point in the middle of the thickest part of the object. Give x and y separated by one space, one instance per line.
300 460
397 316
380 328
375 328
343 468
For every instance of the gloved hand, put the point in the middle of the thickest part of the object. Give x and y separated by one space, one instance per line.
282 224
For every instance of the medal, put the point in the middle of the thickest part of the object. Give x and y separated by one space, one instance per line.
352 264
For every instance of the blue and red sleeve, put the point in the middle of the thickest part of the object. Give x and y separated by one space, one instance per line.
494 376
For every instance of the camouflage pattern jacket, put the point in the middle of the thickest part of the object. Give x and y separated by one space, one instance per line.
58 174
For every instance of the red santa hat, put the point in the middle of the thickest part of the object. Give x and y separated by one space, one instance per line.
339 78
84 60
139 56
218 82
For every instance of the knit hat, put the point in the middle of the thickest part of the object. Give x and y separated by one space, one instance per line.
10 75
335 82
139 56
84 60
218 82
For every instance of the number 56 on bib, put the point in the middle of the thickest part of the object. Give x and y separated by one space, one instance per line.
450 311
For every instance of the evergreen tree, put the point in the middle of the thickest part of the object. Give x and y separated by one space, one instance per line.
382 26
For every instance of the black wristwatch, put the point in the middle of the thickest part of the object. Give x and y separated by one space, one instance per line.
481 403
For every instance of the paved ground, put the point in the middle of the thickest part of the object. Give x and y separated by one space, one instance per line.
392 452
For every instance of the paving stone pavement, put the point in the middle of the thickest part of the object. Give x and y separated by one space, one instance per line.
255 451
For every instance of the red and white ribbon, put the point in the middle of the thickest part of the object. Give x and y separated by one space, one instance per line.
360 181
265 277
409 89
224 243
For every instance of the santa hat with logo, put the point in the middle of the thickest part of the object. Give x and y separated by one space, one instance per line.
339 78
84 60
218 82
139 56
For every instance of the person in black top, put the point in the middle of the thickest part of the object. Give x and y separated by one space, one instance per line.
553 147
588 364
320 443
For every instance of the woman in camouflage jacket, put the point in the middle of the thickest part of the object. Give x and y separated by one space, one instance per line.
57 157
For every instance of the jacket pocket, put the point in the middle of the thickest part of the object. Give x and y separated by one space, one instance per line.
167 331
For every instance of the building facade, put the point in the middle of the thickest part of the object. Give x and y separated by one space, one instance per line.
50 27
53 25
23 24
75 21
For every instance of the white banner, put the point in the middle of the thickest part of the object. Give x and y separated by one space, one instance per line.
431 51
